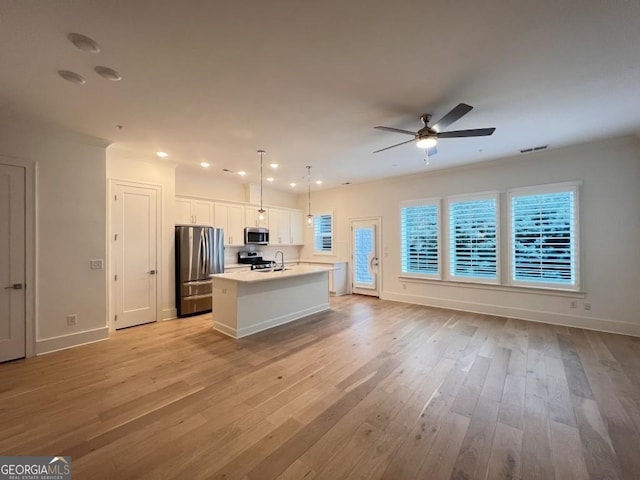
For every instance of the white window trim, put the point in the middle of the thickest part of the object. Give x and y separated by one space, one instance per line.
333 234
470 198
417 203
541 190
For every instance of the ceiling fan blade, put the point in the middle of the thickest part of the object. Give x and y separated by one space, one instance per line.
454 115
396 130
393 146
477 132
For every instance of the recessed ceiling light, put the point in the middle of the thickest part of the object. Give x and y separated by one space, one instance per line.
318 182
292 184
274 165
269 179
84 43
162 154
108 73
242 173
204 164
72 77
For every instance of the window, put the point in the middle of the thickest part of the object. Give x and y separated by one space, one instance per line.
420 237
323 233
544 227
473 238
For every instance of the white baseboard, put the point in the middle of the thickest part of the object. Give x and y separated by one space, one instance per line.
54 344
588 323
273 322
169 314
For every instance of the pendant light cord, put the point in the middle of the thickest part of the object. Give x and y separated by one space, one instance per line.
309 217
261 152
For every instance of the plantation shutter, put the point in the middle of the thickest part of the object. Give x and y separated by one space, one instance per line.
420 239
473 238
323 233
543 238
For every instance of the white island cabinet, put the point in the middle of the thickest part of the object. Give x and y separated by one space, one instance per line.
248 302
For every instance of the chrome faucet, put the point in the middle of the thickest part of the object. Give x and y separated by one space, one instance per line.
281 257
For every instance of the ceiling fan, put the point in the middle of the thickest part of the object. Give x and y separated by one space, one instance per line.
428 136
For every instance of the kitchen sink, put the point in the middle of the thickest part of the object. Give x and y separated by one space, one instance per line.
277 269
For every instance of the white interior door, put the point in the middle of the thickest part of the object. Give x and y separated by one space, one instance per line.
134 245
12 263
365 257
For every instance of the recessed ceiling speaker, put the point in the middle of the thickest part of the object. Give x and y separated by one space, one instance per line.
84 43
72 77
108 73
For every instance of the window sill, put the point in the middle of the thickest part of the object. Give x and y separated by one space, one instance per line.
500 288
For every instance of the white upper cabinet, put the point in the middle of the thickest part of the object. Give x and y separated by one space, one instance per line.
297 227
286 227
230 218
197 212
279 227
252 217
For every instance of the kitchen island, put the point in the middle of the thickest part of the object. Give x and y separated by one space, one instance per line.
248 302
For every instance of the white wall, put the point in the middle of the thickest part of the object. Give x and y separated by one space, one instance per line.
270 196
125 166
610 224
199 183
69 229
190 181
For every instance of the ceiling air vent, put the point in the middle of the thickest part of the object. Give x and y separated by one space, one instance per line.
534 149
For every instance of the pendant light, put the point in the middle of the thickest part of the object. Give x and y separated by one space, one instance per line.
262 210
309 216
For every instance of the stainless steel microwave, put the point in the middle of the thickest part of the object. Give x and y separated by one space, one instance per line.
256 236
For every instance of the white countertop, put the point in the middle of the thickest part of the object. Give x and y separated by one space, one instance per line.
261 276
321 261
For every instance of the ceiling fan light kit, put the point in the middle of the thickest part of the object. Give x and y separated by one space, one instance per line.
427 137
426 142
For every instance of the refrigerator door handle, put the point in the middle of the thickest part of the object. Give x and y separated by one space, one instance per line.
200 251
205 257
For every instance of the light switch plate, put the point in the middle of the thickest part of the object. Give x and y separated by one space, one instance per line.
97 264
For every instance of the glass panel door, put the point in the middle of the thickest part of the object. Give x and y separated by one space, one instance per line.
365 257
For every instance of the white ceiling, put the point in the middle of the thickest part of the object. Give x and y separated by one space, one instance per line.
216 80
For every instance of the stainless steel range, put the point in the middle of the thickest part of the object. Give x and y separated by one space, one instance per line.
255 259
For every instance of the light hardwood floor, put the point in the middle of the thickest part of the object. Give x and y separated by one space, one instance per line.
371 389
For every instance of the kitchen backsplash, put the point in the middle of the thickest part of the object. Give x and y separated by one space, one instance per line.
268 252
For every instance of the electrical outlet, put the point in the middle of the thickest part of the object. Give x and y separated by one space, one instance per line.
587 306
72 319
96 264
574 304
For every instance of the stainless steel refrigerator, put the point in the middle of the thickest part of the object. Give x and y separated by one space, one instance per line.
199 254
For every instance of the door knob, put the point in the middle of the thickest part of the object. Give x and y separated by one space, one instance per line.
152 272
15 286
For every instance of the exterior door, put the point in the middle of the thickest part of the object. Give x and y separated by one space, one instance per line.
134 245
12 263
365 257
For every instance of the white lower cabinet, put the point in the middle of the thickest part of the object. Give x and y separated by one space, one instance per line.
338 284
